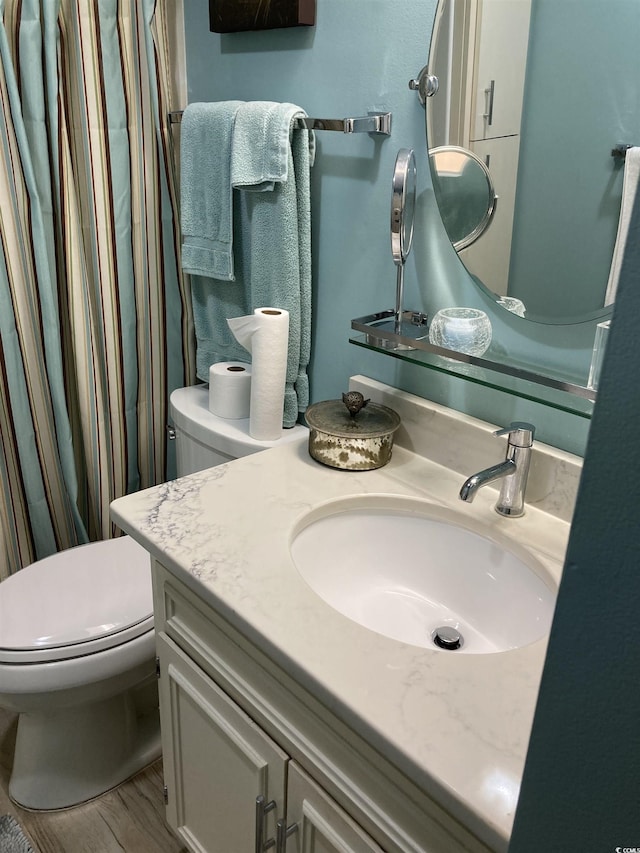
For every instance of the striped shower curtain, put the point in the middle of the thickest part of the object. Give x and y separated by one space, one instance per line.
95 323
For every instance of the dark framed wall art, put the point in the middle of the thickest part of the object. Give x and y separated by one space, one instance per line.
233 16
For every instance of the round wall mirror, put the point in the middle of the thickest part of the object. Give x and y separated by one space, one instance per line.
516 88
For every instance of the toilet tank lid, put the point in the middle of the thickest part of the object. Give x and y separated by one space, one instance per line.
189 410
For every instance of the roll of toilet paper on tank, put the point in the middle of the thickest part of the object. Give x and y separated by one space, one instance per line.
265 334
230 389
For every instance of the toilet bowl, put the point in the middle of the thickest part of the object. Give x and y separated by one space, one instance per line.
79 670
77 647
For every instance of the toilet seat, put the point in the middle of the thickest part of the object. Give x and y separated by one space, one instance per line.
108 601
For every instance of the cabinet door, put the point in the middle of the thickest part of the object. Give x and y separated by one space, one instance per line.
501 57
217 761
321 826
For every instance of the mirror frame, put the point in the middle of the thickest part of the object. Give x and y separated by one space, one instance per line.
403 201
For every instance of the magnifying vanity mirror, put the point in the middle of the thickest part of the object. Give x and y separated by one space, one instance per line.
463 187
542 94
403 202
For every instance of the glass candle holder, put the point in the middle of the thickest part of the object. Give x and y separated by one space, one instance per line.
516 306
466 330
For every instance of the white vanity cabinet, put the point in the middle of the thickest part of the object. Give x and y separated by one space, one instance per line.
253 761
217 762
499 54
500 59
316 823
229 781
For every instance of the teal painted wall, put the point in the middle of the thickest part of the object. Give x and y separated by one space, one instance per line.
360 57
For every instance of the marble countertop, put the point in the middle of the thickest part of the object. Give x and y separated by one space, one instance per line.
456 724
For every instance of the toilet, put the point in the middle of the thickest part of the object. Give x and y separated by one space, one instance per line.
77 648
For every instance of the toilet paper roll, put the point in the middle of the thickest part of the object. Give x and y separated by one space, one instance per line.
265 334
230 389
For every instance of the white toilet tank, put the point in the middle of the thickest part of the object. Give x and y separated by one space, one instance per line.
204 439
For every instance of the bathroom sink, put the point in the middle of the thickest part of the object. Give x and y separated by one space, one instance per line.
422 575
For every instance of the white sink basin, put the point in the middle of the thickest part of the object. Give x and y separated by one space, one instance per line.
406 569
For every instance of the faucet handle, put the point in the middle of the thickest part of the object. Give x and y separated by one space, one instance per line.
520 433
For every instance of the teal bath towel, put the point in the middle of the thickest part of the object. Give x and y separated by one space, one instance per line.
271 245
206 214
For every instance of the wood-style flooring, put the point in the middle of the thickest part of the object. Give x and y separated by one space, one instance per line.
129 819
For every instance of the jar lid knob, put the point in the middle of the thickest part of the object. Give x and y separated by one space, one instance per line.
354 401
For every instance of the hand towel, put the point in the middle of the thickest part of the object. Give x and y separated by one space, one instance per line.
272 246
261 139
629 187
206 208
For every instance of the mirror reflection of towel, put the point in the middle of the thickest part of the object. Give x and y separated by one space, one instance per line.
629 188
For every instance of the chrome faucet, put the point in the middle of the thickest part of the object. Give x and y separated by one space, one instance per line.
513 471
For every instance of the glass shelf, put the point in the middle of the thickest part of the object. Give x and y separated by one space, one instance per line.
379 334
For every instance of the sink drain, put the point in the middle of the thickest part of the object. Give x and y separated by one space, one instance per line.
447 638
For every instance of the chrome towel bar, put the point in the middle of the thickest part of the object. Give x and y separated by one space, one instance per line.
374 122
